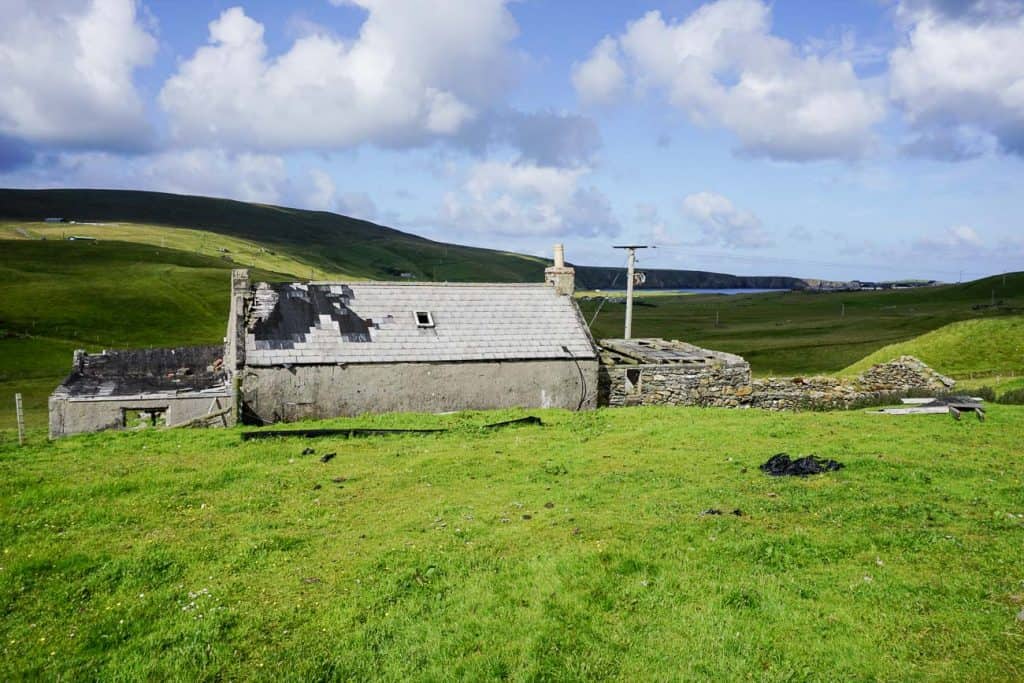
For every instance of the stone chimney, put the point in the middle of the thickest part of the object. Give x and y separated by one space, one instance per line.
234 348
560 276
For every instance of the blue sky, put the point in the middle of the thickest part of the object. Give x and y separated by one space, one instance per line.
856 139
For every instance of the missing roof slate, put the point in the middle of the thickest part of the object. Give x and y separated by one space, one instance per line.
300 309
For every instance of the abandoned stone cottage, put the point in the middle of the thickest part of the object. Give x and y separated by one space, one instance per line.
313 350
325 349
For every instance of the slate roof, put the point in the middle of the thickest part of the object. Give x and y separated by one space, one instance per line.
139 372
661 352
300 323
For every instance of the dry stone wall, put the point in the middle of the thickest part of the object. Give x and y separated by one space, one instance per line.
726 382
723 382
904 372
886 381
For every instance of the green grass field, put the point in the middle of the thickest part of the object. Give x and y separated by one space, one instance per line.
572 551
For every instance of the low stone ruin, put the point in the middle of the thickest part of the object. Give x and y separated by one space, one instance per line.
644 372
892 380
659 372
905 371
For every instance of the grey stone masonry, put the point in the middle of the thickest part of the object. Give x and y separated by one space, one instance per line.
641 372
891 380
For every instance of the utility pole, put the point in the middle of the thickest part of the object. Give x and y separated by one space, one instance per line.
631 264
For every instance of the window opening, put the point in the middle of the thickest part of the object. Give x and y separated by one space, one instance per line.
633 381
424 319
143 418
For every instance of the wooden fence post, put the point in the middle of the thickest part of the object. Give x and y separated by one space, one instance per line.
21 419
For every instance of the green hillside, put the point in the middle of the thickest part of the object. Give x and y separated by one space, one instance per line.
326 241
227 249
322 244
989 346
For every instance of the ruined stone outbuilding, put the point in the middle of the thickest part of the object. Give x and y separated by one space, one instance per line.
142 388
643 372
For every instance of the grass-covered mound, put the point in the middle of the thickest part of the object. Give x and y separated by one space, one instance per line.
990 346
572 551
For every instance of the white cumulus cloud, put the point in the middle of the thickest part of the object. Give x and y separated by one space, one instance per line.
956 238
528 200
724 224
722 66
601 77
66 69
416 71
960 80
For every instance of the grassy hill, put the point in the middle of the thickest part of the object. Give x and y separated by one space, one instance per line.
324 243
321 240
230 251
804 332
989 346
576 550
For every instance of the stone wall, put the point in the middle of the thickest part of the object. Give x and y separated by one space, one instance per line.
807 393
726 382
722 382
885 381
904 372
82 415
